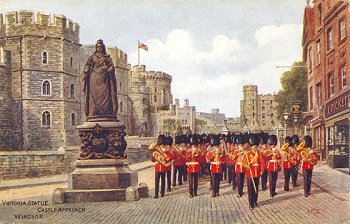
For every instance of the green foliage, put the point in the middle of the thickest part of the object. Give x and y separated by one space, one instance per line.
294 88
172 126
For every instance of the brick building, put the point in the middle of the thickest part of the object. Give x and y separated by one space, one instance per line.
327 54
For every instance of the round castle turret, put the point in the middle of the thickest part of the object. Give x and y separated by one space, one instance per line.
45 78
160 87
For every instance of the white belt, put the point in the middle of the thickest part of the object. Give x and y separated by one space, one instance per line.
216 163
239 163
255 164
192 163
273 160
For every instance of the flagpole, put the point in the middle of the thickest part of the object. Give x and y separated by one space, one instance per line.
138 52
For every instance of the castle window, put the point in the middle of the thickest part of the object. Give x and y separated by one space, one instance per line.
263 115
72 91
73 119
2 55
120 85
144 113
121 106
71 62
263 122
155 90
46 120
44 57
263 108
46 88
155 98
144 101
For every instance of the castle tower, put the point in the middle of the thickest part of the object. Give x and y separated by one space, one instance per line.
249 110
45 78
139 94
5 99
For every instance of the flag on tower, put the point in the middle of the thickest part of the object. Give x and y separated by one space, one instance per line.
143 46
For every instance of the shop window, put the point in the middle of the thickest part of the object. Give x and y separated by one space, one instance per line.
329 39
342 28
343 76
318 49
310 58
331 84
338 144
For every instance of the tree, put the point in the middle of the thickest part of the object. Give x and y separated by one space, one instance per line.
294 88
199 124
171 126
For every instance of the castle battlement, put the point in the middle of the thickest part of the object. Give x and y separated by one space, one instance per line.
40 23
152 75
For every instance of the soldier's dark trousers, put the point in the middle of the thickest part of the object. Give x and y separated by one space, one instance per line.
273 181
177 172
168 180
224 172
287 172
294 175
264 180
193 183
240 183
161 176
184 173
307 181
216 177
252 195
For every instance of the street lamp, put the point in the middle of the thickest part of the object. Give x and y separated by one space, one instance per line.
285 117
295 119
225 129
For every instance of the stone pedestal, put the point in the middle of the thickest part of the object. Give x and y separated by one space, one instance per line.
102 172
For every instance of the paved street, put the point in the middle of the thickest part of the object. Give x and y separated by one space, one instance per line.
322 206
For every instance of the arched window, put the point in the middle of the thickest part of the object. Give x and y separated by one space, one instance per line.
46 119
121 106
46 88
120 85
44 57
71 62
72 91
155 98
73 119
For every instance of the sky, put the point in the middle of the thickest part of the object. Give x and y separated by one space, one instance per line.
211 48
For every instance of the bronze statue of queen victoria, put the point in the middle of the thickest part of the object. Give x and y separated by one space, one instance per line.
100 86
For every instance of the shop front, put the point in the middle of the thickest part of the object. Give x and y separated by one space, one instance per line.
337 117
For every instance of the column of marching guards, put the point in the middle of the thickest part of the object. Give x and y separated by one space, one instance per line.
237 158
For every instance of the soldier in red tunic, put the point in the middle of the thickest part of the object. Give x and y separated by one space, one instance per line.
309 159
239 170
178 162
160 168
273 165
296 159
170 153
192 157
215 158
287 154
254 164
230 161
263 149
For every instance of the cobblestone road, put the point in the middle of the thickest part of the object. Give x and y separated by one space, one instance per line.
176 207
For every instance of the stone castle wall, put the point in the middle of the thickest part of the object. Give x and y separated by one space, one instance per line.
5 99
27 36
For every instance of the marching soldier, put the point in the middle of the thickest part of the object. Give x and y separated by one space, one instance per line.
309 159
230 161
296 160
263 149
223 164
202 160
179 157
215 158
183 147
160 157
253 164
192 157
240 172
169 143
274 164
287 154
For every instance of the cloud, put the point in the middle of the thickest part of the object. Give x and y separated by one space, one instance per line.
214 77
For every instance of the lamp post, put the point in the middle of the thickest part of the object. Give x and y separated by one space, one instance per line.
295 119
285 117
225 129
